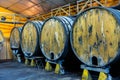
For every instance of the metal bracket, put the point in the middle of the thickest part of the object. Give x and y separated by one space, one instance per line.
59 68
34 61
104 72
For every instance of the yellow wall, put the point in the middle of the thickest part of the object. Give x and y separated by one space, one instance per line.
10 17
5 51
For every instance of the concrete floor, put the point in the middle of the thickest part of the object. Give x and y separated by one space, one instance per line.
19 71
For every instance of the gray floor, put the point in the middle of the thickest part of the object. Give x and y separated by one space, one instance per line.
18 71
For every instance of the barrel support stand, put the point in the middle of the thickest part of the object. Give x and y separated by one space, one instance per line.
27 61
58 69
19 58
15 51
103 73
39 62
32 62
35 61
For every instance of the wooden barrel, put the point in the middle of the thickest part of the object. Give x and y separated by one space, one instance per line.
15 40
95 37
1 37
29 38
1 40
15 37
55 36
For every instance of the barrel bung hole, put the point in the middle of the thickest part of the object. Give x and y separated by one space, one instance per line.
52 55
94 60
107 31
111 44
28 53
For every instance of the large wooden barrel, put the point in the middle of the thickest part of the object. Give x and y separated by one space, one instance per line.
95 37
15 37
29 38
15 40
55 36
1 37
1 40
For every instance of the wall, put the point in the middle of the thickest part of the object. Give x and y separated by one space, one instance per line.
5 51
10 17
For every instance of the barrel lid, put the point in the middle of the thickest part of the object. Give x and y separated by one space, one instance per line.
29 38
53 38
1 37
15 38
95 36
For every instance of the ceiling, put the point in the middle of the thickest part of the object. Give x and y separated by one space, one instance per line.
29 8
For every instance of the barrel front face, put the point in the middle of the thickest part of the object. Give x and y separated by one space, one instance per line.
1 37
53 38
95 37
29 39
1 40
15 38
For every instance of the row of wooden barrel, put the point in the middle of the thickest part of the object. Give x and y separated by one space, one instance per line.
94 35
